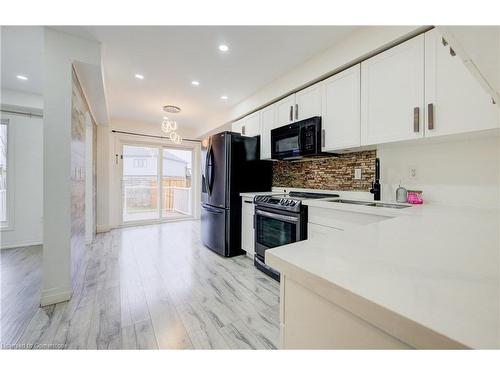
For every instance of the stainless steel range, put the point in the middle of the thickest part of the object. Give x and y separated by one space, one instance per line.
280 220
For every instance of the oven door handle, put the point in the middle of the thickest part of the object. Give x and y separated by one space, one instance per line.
290 219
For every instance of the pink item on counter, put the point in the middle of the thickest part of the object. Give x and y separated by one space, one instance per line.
415 197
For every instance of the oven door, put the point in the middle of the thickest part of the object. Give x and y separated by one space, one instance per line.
275 228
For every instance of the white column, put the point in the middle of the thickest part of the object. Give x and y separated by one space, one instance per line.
60 52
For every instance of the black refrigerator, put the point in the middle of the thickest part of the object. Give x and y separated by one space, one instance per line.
230 165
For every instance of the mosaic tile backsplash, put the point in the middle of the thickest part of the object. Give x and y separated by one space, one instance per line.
335 173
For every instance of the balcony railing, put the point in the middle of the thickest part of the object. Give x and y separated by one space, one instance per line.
140 198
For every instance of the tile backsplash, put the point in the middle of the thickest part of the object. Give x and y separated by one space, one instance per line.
333 173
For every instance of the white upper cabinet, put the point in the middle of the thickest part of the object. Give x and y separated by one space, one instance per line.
251 126
237 126
340 118
455 102
267 123
285 111
307 103
392 94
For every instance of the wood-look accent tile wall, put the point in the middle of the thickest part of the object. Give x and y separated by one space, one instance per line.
335 173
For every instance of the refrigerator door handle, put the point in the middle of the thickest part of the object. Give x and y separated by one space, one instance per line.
207 174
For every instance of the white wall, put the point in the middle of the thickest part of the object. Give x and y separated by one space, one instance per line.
27 208
452 172
61 51
357 45
21 99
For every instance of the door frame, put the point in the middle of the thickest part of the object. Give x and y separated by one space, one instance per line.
142 141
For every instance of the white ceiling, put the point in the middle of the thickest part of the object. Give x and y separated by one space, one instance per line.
170 57
22 53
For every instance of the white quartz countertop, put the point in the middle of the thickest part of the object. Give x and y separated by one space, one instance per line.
436 266
251 195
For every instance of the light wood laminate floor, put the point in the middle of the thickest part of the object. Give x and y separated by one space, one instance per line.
144 287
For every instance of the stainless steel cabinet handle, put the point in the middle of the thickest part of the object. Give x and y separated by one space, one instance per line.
322 137
430 116
296 111
243 130
416 119
291 113
248 201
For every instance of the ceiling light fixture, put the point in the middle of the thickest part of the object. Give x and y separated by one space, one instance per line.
224 97
171 108
21 77
139 76
169 126
195 83
223 48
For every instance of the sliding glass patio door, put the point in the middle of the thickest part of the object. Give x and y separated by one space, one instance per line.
156 183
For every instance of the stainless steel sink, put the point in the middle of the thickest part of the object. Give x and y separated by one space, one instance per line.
369 204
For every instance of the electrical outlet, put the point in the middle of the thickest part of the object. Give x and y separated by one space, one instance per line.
357 173
412 173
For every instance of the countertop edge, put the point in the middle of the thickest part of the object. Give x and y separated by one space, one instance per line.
392 323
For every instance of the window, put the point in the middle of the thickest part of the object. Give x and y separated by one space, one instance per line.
140 163
4 150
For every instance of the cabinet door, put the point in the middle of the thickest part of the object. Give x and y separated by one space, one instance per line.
392 94
455 101
251 127
341 112
267 123
285 110
308 103
247 230
237 126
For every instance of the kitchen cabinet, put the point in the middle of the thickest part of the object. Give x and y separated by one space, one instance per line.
341 110
455 102
247 229
307 103
299 106
248 125
284 111
392 94
267 123
237 126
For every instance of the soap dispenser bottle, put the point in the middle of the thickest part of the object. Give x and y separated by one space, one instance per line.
401 194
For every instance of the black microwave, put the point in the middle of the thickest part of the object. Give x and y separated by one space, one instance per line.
297 140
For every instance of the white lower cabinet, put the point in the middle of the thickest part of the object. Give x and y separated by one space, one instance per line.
341 111
247 229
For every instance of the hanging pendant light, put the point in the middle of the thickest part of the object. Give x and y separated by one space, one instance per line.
169 126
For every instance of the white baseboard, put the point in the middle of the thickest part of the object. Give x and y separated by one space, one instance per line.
55 295
103 228
21 244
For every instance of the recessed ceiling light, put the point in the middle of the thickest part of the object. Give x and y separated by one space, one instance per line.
224 97
195 83
21 77
223 48
139 76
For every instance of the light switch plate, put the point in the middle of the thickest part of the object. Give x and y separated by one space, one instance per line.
412 173
357 173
